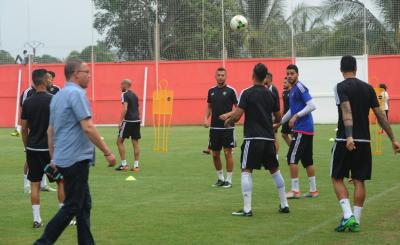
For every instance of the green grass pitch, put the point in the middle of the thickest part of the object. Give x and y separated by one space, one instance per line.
172 201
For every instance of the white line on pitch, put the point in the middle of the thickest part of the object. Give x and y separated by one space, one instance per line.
315 228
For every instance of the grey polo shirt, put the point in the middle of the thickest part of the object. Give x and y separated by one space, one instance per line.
68 107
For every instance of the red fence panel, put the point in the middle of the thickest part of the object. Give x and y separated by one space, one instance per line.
383 69
190 81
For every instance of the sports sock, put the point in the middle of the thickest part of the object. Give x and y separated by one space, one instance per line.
36 213
280 185
123 163
345 204
26 181
136 164
313 184
277 156
18 128
43 183
220 174
357 213
229 177
60 205
247 188
295 184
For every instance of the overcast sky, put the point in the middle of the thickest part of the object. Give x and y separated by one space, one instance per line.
62 25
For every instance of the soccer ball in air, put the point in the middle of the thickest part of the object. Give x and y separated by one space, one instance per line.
238 23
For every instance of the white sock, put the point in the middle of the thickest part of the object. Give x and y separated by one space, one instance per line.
136 164
280 185
60 205
295 184
123 163
357 213
229 177
247 188
220 174
18 128
277 156
313 184
26 181
345 204
43 183
36 213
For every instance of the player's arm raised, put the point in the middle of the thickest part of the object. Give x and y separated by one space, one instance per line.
383 122
348 124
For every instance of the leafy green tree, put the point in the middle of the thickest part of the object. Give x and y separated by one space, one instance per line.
74 55
269 32
46 59
6 58
383 32
188 29
101 53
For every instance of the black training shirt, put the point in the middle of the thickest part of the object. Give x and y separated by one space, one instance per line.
36 111
26 94
362 98
221 100
53 89
258 104
275 93
132 114
285 97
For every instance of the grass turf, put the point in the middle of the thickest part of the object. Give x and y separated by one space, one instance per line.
172 201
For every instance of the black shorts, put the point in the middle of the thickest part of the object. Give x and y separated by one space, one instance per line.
358 162
285 128
37 161
221 138
257 154
301 149
130 130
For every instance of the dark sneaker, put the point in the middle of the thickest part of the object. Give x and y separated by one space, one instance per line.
347 224
37 224
227 185
284 210
122 168
207 152
219 183
243 213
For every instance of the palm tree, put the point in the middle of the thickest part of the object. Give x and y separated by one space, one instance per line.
383 34
309 29
269 34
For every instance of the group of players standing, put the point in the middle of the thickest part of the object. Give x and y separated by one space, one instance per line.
35 103
351 153
260 104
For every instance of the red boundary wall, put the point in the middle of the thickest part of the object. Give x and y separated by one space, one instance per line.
190 81
383 69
